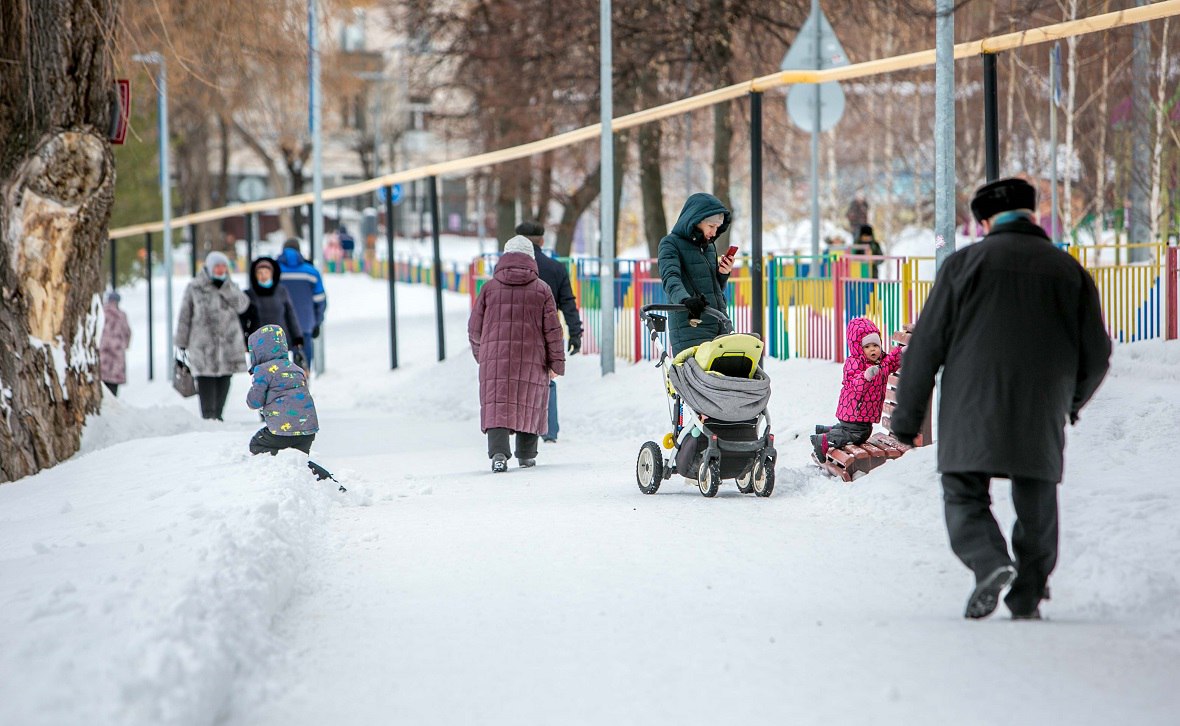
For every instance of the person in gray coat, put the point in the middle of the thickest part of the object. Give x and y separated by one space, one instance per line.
209 333
1015 325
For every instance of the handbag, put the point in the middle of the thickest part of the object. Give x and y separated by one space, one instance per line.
182 379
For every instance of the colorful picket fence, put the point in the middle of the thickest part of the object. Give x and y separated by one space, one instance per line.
809 301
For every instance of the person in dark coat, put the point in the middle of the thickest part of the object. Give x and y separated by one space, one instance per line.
692 272
557 277
516 339
270 304
1016 326
858 212
306 287
866 244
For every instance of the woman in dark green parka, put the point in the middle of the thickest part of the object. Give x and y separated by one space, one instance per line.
692 271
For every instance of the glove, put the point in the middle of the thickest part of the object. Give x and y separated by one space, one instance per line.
298 342
1073 418
696 305
298 358
871 372
315 332
575 346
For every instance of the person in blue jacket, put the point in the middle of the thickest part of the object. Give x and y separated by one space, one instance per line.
306 287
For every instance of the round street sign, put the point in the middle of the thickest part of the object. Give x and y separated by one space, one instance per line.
801 105
397 194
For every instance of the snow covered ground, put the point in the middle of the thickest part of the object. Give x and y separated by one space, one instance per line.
164 576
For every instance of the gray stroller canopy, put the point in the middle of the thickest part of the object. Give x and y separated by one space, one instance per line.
721 397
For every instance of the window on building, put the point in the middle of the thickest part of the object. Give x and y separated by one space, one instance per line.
419 113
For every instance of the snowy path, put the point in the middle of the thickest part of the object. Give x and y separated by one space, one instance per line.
164 576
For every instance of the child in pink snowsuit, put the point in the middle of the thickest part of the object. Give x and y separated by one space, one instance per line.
862 394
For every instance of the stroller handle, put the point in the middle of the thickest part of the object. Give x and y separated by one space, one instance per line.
649 310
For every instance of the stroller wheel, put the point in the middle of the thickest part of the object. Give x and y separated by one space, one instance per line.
649 468
763 476
709 478
745 481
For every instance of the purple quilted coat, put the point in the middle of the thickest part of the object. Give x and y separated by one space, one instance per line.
516 338
861 400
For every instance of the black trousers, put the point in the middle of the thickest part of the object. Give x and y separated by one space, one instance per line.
264 442
212 390
112 387
976 538
498 443
849 432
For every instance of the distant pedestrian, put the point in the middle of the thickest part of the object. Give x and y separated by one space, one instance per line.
1016 327
862 391
112 348
557 277
347 242
209 332
692 272
516 339
858 212
867 244
270 304
306 287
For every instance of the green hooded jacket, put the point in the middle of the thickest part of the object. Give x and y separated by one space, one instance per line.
688 266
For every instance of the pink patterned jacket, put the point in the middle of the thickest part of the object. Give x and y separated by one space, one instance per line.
861 400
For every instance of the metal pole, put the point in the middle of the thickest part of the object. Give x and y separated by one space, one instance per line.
114 263
192 237
606 195
815 267
758 313
147 245
317 164
389 235
1140 229
944 133
438 271
991 123
249 237
1053 146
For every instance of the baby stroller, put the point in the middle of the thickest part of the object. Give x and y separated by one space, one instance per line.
717 397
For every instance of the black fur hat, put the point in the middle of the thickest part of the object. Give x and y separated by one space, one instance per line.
1003 195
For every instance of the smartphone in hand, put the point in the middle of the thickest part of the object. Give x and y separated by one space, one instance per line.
731 251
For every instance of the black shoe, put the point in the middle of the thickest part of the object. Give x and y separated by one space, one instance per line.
1034 615
499 463
986 595
819 443
526 463
821 429
550 441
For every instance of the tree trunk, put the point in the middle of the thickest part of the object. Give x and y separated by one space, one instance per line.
544 189
1100 157
722 141
272 173
575 207
57 182
1071 86
651 184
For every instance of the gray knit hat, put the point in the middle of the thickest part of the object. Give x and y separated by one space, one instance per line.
213 259
519 243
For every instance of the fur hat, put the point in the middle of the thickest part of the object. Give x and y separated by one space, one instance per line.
530 229
519 243
291 244
1003 195
871 339
213 259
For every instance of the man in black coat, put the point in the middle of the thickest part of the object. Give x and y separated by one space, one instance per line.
557 277
1016 326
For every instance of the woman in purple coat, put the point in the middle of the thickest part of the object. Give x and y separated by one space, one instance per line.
516 338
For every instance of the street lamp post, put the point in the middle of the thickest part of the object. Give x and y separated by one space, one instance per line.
317 161
165 185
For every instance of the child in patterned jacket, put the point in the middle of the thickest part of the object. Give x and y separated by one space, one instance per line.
279 388
862 394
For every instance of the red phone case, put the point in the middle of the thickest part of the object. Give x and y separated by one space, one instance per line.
732 251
